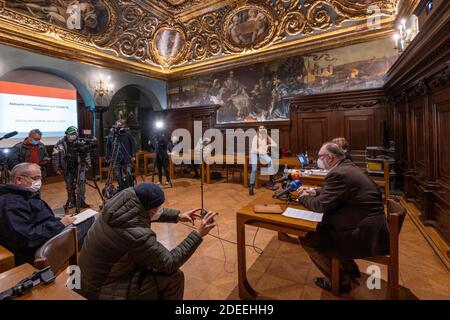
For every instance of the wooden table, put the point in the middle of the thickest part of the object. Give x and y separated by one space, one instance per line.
53 291
6 259
235 159
277 222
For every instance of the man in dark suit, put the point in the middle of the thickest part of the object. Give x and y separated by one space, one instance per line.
353 225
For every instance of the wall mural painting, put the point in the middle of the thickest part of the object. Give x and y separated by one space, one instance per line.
261 92
89 17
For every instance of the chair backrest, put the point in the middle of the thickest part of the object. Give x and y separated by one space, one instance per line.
59 252
395 215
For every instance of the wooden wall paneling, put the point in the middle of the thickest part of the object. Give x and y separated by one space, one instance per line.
360 129
314 129
419 85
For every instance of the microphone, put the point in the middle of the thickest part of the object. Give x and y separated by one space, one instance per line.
9 135
294 185
293 175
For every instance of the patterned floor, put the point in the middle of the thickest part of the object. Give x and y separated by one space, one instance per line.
283 270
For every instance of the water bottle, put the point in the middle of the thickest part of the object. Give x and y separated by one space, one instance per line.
307 158
286 170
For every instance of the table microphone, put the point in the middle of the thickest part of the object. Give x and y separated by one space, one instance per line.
9 135
294 185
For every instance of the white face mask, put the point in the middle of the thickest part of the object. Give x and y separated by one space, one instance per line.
321 164
158 214
174 140
35 185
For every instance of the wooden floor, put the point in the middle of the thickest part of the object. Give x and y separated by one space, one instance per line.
282 270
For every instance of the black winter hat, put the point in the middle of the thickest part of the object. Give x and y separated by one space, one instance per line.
150 195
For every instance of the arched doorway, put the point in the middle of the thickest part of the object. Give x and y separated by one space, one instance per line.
131 103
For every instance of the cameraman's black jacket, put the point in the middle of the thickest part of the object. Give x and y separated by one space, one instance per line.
26 222
127 147
64 156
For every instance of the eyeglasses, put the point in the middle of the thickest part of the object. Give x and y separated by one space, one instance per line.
35 178
322 155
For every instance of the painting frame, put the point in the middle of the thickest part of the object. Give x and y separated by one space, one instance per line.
173 27
64 32
258 41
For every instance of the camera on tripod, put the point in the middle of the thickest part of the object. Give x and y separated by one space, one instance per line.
118 130
85 146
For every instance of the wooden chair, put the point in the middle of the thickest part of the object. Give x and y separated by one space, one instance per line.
6 259
233 168
395 216
385 183
59 252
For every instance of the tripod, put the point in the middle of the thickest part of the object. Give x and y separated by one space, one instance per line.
118 148
81 182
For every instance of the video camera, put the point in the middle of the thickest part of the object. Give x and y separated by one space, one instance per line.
117 130
85 146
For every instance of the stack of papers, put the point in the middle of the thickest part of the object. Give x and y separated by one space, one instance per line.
319 172
83 216
303 214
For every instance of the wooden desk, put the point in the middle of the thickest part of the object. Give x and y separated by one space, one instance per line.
6 259
276 222
235 158
53 291
315 180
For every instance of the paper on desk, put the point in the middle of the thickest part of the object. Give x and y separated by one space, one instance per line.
303 214
83 216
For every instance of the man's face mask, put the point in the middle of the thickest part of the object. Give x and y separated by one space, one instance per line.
72 137
321 162
34 142
35 185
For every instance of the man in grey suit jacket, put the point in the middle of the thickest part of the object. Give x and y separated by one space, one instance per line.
353 225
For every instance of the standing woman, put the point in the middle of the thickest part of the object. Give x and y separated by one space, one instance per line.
162 157
343 143
260 147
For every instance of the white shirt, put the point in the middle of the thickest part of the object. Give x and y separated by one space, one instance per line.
260 146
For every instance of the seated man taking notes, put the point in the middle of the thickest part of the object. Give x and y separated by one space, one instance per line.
353 225
26 221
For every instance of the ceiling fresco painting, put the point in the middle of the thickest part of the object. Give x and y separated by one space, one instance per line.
171 35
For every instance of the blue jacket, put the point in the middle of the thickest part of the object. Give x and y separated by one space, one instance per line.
26 222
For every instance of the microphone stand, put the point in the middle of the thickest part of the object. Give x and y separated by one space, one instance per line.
203 212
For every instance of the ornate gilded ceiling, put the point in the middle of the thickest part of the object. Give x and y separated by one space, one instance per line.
176 38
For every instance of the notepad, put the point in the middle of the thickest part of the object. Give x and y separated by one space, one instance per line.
303 214
83 216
